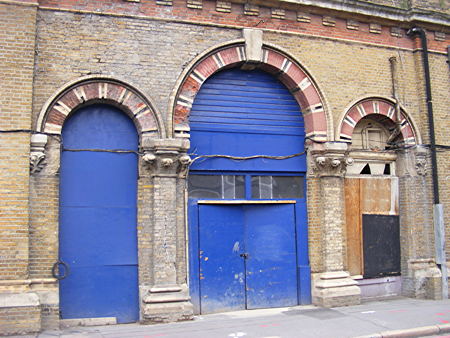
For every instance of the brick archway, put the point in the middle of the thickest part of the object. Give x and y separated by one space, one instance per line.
298 82
101 90
384 109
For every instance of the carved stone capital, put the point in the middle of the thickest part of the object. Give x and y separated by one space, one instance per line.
329 159
413 162
421 161
37 152
167 157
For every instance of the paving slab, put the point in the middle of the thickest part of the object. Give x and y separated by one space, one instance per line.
401 317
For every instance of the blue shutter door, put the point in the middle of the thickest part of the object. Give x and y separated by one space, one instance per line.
245 113
98 238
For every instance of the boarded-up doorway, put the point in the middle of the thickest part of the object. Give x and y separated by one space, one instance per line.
371 206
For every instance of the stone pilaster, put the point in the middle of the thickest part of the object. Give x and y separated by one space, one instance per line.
168 298
333 286
421 278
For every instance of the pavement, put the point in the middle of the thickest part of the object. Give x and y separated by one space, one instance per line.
400 317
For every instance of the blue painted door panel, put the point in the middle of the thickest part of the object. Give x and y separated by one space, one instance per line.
222 284
237 144
98 238
267 277
304 269
271 264
101 291
103 179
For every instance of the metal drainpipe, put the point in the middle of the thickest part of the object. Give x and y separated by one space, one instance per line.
448 55
438 214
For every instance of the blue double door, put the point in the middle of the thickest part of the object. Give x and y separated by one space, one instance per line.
247 256
97 234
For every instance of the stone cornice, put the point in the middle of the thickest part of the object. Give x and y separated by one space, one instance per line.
349 9
362 8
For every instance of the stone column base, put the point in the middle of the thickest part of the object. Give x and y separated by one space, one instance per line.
423 279
167 304
20 313
331 289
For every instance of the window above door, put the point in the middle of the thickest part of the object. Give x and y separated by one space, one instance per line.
247 186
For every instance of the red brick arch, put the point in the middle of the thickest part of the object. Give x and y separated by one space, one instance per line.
144 116
384 111
274 62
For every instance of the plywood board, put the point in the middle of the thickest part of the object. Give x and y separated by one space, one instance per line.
376 196
353 223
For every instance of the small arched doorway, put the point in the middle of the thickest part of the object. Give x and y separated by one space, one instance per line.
97 233
247 218
372 197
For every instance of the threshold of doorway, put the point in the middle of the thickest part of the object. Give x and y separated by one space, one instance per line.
67 323
257 312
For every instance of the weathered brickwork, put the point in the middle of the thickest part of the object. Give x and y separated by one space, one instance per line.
20 320
145 207
440 86
44 191
315 225
16 65
150 58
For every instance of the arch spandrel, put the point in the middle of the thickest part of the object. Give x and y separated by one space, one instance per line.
298 82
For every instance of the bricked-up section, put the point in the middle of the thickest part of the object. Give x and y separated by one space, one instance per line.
17 36
273 62
376 107
134 104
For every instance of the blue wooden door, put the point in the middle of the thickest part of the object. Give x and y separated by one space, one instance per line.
222 271
97 234
271 260
247 257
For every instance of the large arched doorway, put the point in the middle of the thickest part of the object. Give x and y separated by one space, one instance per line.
247 218
97 234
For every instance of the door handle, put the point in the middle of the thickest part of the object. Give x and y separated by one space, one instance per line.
244 255
66 270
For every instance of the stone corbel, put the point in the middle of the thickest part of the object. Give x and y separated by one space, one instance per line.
37 152
329 159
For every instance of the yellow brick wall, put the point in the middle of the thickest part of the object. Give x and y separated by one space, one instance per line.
17 36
